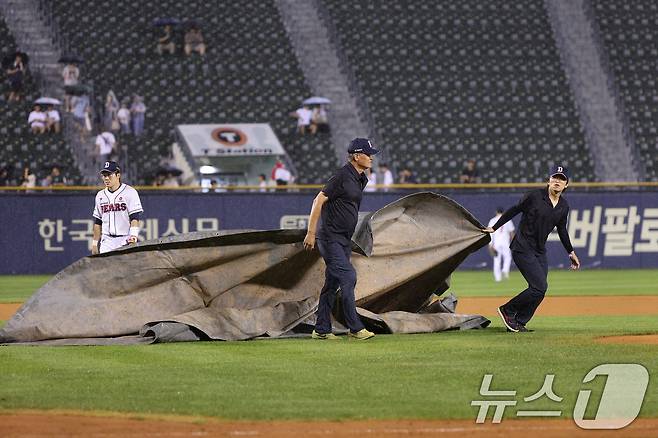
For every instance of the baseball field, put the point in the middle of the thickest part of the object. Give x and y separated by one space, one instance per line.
392 385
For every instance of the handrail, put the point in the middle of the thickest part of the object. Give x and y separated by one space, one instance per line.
380 187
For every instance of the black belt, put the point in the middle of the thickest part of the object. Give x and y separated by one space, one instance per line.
115 235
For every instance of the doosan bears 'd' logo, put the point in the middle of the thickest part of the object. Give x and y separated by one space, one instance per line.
229 136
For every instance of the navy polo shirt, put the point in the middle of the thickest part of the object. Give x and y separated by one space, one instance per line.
538 220
340 213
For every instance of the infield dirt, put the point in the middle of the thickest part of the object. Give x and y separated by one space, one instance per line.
551 306
72 424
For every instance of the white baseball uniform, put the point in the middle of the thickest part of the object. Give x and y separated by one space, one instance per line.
500 241
114 209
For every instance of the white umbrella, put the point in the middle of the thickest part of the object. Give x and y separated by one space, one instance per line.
48 101
316 100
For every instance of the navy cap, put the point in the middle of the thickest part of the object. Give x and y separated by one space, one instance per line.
361 146
559 169
111 167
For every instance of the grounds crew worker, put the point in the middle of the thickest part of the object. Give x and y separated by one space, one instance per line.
543 210
337 205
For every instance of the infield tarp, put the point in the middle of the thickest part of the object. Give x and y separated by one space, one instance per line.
241 285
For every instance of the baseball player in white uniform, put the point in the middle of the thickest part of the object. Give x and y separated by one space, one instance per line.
499 246
116 213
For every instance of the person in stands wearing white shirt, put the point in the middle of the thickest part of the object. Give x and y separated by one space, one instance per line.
304 116
499 246
52 120
372 180
70 74
123 116
262 182
105 142
387 175
37 120
282 176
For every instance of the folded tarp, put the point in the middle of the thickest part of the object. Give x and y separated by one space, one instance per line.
239 285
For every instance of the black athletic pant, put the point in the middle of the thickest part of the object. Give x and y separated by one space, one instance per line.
534 268
339 273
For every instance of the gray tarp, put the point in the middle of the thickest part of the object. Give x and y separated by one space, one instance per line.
245 284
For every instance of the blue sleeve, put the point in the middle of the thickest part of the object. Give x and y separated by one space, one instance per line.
333 187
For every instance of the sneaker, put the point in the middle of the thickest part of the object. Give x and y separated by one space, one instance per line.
523 328
508 320
324 336
362 335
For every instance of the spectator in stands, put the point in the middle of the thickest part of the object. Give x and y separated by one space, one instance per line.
106 144
282 176
372 180
262 182
138 112
470 173
29 179
277 165
166 41
15 75
110 122
123 116
387 175
320 119
170 180
37 120
56 179
158 181
406 177
80 108
304 116
70 74
52 120
4 177
194 41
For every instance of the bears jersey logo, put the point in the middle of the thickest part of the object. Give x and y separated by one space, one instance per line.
106 208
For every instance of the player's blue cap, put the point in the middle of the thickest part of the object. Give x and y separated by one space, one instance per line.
110 167
559 169
361 146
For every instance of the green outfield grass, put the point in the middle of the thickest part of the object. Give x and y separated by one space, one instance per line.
391 376
561 282
18 288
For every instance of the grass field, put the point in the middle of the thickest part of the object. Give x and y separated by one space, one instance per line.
18 288
392 376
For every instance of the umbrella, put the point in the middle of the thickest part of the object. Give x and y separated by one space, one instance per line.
71 59
47 101
77 90
168 21
316 100
192 23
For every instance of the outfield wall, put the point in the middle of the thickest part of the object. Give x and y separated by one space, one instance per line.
43 233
